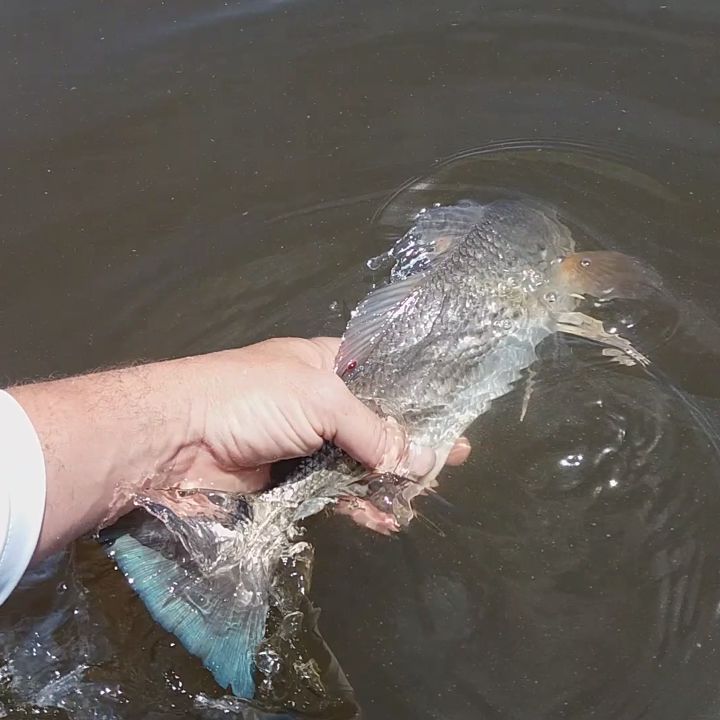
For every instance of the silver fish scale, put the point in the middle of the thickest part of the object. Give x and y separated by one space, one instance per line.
461 338
432 228
470 327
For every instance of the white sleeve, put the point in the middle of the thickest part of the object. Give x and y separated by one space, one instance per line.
22 492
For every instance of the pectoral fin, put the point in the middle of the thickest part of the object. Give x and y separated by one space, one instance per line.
584 326
367 322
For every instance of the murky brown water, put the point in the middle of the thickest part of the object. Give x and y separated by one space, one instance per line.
178 178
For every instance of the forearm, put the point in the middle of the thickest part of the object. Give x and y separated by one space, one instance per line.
103 435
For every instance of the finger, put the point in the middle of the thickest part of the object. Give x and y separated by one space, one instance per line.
460 452
365 514
328 347
378 443
244 480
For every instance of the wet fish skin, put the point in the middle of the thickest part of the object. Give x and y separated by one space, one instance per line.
474 290
471 326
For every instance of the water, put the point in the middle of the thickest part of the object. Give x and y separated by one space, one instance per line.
177 179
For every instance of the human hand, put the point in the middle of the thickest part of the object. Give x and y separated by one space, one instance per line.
215 421
281 399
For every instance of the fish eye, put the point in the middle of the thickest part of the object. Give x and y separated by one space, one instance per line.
585 262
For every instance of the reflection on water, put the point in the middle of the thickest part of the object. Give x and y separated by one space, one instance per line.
55 645
591 592
177 179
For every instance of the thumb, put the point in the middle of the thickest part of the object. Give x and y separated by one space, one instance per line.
380 444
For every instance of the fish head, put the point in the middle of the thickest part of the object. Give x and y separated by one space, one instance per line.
605 275
527 246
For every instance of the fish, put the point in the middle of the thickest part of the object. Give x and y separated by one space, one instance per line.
473 290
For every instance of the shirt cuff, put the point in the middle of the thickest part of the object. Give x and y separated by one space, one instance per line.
22 492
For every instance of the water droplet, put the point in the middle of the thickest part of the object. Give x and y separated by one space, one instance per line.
377 262
268 662
503 323
572 460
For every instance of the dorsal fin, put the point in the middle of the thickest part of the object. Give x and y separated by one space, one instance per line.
435 232
433 236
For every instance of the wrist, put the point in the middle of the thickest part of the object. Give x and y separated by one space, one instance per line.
174 400
106 436
154 429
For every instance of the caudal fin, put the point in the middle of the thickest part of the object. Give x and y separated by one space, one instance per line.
210 610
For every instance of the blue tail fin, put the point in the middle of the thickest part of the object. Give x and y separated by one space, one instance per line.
207 611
